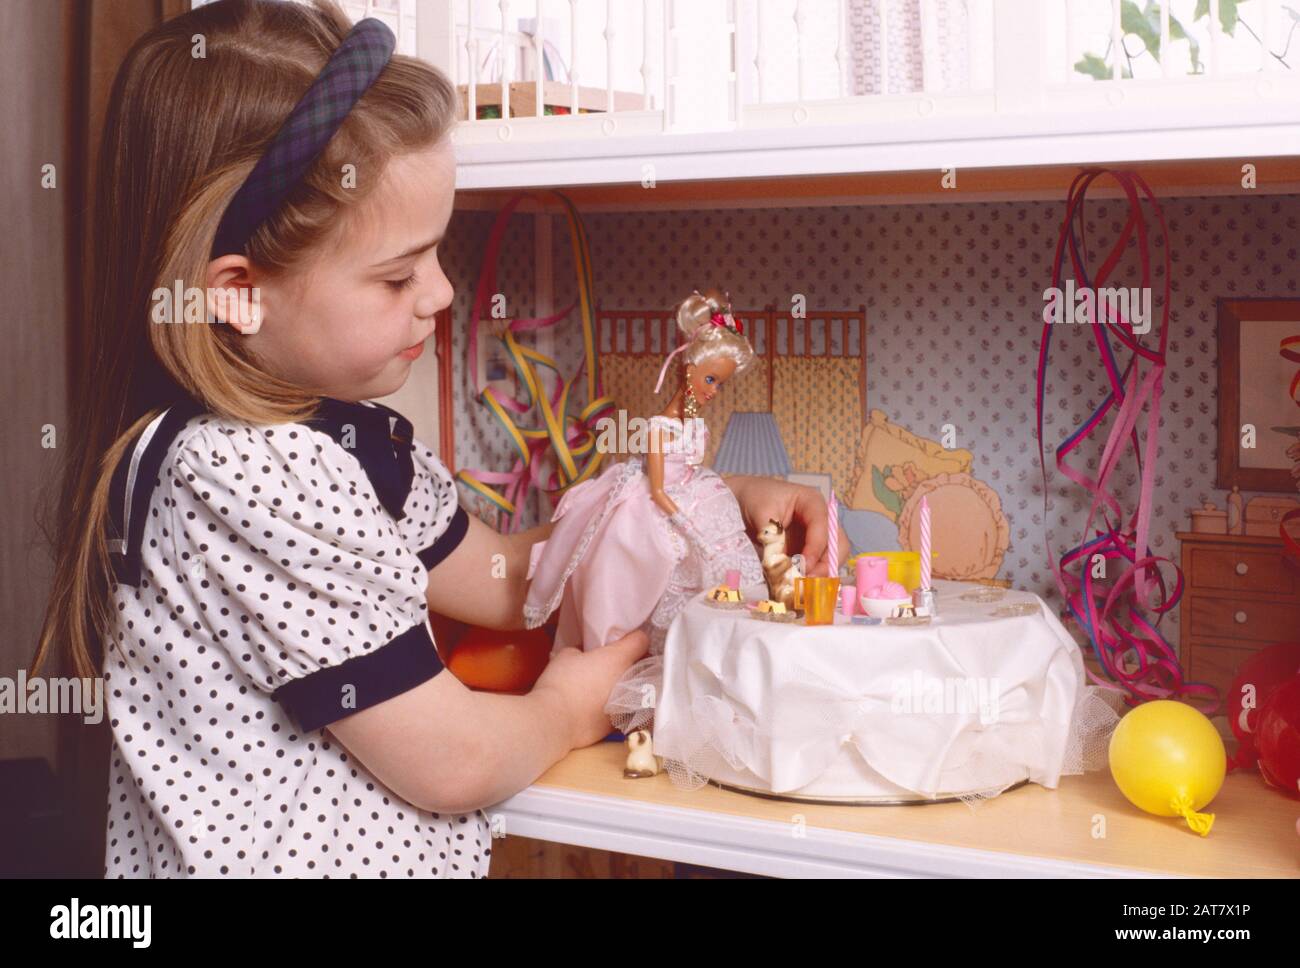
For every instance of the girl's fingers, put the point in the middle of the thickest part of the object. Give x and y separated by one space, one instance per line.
810 509
630 648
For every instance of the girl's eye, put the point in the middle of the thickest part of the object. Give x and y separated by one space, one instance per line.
709 379
397 285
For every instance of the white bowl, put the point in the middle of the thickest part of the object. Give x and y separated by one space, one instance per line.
882 607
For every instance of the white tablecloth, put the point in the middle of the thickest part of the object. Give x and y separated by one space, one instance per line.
970 704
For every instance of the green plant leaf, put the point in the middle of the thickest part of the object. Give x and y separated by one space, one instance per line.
1178 32
1093 65
1227 13
1144 23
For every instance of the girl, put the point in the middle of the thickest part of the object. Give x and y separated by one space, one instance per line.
247 548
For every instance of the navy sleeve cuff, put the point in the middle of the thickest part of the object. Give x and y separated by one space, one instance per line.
447 541
336 692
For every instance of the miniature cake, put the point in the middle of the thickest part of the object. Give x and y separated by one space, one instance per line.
882 713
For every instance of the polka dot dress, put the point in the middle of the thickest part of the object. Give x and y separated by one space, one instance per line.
266 563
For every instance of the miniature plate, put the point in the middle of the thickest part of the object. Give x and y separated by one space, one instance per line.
784 617
1016 608
984 595
724 605
909 620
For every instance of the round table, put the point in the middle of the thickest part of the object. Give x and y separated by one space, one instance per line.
971 704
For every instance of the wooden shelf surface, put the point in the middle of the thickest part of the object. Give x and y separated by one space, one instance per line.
1044 831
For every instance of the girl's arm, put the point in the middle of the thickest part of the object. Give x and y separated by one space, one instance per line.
446 749
483 581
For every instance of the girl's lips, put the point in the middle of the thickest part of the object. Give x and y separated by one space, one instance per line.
412 352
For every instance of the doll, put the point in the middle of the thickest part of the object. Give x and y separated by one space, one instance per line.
630 547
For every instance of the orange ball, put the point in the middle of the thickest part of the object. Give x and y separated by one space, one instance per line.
500 660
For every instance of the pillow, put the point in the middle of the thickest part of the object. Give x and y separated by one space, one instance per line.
892 462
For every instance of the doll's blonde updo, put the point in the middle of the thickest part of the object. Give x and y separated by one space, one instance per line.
705 339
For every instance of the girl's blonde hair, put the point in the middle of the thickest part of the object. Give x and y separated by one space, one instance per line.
192 108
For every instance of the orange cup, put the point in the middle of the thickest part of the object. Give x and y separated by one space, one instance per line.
817 598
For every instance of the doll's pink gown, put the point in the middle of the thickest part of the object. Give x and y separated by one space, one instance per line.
614 562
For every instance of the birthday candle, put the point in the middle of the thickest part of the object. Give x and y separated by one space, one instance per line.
925 542
833 541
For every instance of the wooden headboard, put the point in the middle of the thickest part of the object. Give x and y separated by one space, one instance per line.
653 332
824 332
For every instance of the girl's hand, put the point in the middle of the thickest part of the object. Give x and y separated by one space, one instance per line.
800 509
580 683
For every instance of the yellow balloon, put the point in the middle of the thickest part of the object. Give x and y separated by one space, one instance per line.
1169 760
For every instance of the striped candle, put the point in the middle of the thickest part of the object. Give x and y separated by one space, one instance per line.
833 538
925 542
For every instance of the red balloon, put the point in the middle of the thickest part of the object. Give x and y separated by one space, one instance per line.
498 660
1278 738
1265 671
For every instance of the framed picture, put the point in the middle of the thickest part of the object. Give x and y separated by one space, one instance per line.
1255 403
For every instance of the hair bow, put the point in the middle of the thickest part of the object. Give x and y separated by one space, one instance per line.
729 321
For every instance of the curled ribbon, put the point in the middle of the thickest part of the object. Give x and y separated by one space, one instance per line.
568 436
1134 389
1290 350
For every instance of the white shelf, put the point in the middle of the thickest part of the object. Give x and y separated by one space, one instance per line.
1246 131
754 846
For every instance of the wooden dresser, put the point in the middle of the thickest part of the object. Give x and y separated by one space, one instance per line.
1240 596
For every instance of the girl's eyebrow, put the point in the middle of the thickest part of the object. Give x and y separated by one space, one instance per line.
415 250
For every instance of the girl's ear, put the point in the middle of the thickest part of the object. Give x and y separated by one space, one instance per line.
240 308
231 298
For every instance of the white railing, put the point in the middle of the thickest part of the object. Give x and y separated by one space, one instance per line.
571 69
588 64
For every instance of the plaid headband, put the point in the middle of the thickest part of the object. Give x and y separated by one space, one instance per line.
350 71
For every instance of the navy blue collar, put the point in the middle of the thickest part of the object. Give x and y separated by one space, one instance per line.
380 439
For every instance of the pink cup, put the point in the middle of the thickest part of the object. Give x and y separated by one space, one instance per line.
871 571
848 600
733 578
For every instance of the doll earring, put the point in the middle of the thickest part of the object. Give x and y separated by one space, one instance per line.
692 405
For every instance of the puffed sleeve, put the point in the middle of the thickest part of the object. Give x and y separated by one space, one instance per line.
305 578
435 523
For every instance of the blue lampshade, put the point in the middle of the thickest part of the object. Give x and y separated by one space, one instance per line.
752 444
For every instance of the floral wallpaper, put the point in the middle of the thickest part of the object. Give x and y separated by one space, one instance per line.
953 296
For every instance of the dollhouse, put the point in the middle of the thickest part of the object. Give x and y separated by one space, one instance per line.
901 166
839 113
